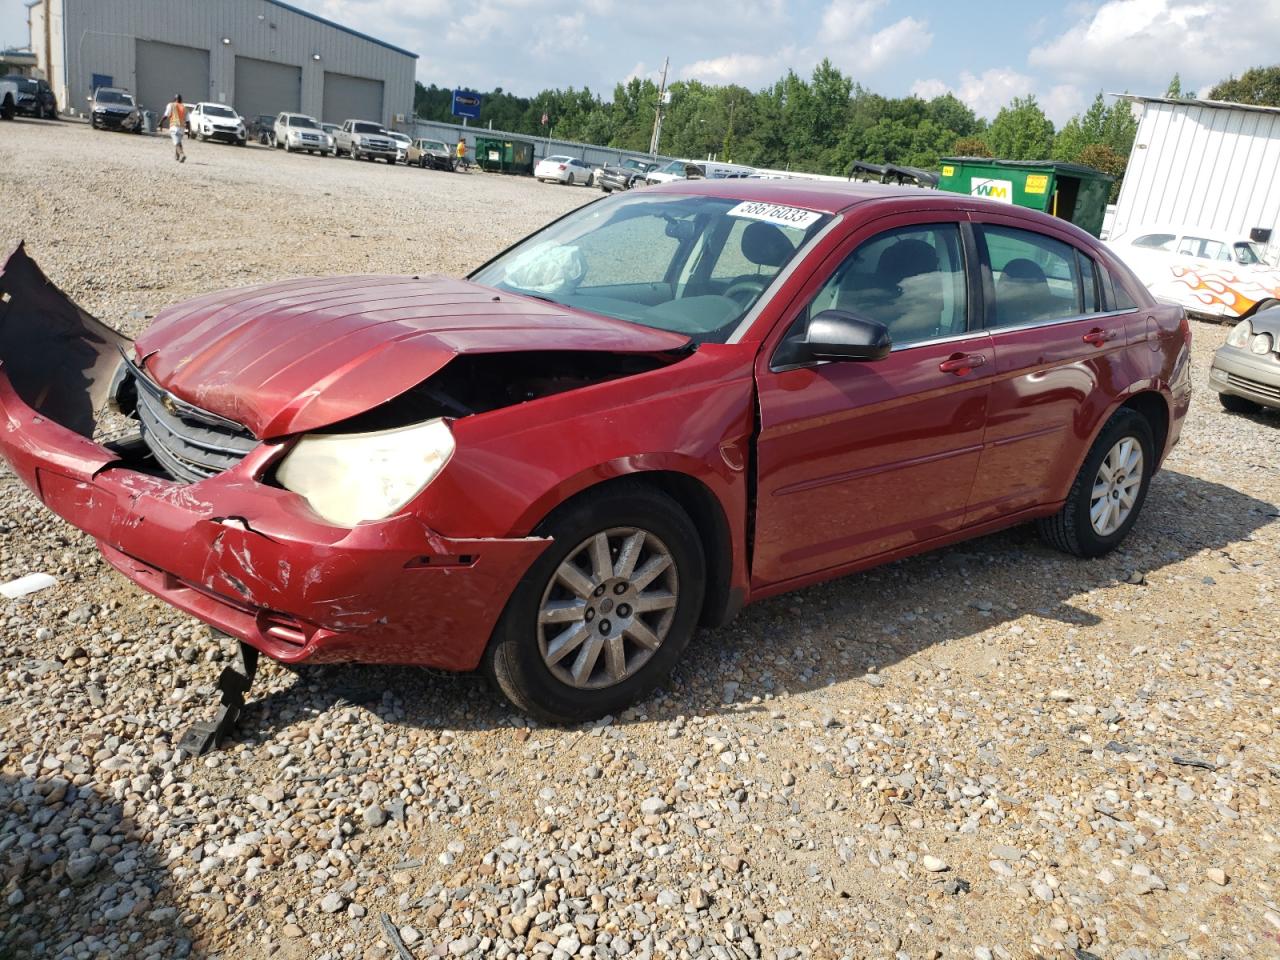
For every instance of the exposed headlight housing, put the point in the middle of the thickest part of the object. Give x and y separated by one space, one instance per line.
1240 334
351 478
1261 344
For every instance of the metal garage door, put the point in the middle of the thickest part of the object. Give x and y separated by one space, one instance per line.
351 98
164 69
266 87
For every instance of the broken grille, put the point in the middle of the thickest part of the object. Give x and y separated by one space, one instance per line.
189 443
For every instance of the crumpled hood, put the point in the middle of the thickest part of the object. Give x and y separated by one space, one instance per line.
298 355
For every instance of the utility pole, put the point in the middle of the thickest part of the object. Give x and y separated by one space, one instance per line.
657 113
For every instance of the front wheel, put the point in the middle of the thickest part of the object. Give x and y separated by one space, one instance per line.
1107 495
603 615
1233 404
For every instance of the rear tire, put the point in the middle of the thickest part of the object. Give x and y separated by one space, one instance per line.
1108 493
1233 404
623 668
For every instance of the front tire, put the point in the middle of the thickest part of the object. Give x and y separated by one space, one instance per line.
603 615
1233 404
1108 493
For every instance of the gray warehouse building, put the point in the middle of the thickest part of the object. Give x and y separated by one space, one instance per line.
259 56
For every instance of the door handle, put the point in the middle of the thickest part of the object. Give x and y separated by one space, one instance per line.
1097 337
961 363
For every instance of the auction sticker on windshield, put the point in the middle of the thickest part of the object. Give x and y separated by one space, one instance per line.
776 213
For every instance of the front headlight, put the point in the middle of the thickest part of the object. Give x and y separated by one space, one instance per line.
1261 344
354 477
1240 334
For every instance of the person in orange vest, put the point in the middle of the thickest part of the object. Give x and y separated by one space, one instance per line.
175 114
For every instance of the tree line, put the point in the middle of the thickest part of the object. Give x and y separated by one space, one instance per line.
826 122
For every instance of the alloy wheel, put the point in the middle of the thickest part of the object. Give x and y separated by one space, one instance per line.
608 608
1116 487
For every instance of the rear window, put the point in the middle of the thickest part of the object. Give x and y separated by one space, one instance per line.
1035 277
1156 241
558 159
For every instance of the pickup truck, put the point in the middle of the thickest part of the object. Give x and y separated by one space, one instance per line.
364 139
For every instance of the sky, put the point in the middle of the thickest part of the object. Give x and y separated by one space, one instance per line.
984 51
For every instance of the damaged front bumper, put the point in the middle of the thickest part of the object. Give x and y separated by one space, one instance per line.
246 557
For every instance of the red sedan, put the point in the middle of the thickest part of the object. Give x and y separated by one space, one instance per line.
659 408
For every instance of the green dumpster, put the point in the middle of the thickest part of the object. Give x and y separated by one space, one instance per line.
1068 190
504 155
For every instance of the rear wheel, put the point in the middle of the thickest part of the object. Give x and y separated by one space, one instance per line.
1108 493
603 615
1236 404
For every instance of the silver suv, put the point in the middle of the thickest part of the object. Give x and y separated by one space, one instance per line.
366 140
297 131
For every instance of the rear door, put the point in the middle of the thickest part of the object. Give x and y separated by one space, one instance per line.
856 459
1060 358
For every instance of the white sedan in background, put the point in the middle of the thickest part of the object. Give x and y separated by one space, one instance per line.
403 143
1210 273
563 169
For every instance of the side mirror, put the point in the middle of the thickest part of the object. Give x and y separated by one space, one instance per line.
840 335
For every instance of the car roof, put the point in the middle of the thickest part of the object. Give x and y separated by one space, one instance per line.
1181 230
823 196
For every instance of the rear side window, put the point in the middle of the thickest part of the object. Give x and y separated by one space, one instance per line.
1089 284
1035 277
1122 300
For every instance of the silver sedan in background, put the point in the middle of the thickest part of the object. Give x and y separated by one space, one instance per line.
1246 369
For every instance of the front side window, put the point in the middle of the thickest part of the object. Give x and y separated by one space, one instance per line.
1035 277
911 279
1246 253
694 265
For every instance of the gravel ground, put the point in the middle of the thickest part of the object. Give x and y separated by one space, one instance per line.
991 751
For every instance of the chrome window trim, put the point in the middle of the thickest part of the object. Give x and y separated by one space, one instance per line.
1075 318
781 278
934 341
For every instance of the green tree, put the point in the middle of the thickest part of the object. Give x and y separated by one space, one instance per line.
1259 86
1021 131
1102 157
970 147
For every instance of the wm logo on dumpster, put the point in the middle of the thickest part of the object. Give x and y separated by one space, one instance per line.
1001 190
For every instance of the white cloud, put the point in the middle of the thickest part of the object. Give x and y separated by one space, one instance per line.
844 36
748 69
928 89
844 20
908 37
985 93
1139 44
564 33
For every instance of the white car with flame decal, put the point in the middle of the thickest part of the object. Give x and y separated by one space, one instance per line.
1210 273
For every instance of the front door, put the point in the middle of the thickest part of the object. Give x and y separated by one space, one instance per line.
856 459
